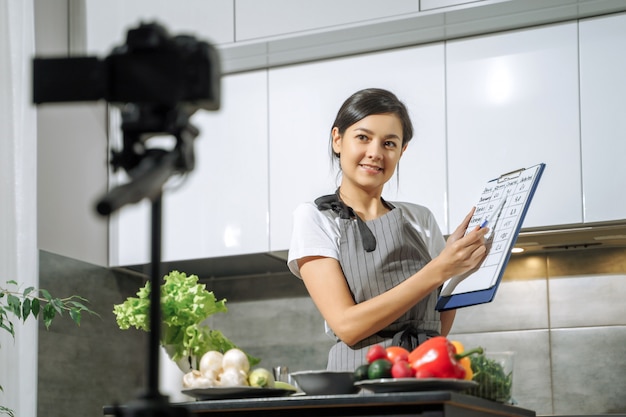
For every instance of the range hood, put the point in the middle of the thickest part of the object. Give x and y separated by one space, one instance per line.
253 264
563 238
573 237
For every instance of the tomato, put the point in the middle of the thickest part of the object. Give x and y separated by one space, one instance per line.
424 374
397 353
401 369
380 368
375 352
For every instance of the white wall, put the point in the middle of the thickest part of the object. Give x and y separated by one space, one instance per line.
72 148
18 218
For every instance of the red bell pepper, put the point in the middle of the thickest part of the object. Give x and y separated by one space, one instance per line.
437 358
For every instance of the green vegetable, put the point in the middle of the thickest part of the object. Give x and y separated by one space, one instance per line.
284 385
185 305
261 377
380 368
493 383
361 372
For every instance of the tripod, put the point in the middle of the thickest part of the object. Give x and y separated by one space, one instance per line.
149 170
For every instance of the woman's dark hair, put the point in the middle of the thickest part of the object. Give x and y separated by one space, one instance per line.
370 101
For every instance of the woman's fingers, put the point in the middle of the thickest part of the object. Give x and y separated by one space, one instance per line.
467 252
461 228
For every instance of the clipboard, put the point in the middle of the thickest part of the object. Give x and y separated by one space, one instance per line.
502 206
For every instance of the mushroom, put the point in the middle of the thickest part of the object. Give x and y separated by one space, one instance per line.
233 377
195 379
211 362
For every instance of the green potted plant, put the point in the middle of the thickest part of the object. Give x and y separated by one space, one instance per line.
31 302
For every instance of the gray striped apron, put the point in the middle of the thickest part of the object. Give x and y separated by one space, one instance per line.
399 253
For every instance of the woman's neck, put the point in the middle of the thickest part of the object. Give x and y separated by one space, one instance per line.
367 205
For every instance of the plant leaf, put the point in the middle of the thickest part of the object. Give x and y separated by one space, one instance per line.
75 315
46 294
28 291
8 326
12 281
58 305
48 314
34 307
25 308
14 305
6 411
78 305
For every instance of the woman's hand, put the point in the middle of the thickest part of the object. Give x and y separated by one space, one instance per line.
351 322
464 252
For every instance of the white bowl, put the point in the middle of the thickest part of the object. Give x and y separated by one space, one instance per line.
325 382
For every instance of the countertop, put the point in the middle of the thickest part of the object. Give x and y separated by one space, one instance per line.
430 403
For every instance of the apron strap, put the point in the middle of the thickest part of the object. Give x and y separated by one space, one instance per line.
334 203
409 337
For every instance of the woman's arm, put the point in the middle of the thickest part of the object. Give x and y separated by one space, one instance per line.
447 319
353 322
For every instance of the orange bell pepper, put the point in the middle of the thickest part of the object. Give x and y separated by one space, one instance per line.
465 362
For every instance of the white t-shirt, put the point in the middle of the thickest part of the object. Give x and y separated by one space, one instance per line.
316 232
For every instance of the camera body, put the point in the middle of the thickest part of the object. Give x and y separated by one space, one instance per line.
151 68
158 81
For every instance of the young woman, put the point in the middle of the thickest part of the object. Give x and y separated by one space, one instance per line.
374 268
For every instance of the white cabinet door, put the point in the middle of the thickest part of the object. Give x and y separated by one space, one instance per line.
603 117
303 103
222 207
108 21
259 19
513 103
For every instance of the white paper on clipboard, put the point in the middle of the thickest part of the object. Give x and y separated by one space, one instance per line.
515 189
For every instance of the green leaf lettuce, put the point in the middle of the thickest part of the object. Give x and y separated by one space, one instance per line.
185 305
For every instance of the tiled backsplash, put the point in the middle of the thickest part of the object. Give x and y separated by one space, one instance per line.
564 316
81 369
562 313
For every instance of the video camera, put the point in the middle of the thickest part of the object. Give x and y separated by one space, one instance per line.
151 68
158 81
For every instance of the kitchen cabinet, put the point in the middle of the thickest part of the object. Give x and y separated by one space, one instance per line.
512 101
480 106
438 4
222 207
288 17
603 125
285 32
303 102
107 22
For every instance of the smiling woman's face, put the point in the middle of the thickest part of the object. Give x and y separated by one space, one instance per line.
369 150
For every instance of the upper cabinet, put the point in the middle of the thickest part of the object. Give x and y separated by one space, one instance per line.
603 117
222 207
107 22
288 17
481 106
512 102
303 103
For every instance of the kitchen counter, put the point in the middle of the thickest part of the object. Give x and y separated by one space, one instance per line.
426 403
